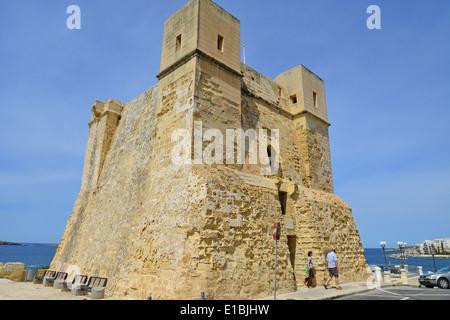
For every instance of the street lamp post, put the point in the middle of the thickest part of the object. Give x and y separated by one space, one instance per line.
404 252
432 254
400 244
383 245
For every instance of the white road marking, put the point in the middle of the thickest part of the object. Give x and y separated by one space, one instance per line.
397 294
389 292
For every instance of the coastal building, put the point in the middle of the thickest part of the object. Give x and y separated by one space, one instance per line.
172 229
426 246
440 245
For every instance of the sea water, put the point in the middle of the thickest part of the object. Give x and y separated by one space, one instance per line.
42 255
376 257
33 254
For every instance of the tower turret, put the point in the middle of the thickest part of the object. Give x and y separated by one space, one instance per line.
305 93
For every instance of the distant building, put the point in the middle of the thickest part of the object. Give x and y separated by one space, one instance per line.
440 245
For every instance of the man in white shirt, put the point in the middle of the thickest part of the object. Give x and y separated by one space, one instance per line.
333 269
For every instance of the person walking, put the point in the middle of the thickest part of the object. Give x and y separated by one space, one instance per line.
309 268
333 269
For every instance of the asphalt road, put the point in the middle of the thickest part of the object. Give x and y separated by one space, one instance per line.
401 293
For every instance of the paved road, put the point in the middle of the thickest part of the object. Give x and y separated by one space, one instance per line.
401 293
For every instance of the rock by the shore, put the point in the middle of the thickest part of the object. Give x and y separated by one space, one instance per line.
6 243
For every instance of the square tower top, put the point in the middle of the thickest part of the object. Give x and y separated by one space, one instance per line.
202 25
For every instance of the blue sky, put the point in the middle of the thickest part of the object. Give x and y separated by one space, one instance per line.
388 98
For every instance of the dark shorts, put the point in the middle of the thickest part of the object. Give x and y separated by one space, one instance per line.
333 272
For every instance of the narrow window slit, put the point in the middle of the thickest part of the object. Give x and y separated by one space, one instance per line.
220 43
178 44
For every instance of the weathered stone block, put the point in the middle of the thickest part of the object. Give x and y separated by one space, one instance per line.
13 271
47 283
76 291
98 293
58 284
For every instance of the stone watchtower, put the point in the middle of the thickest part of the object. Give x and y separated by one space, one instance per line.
159 228
201 46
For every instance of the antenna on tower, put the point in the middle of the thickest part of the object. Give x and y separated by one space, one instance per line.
244 52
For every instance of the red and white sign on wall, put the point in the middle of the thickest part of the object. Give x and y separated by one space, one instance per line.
276 231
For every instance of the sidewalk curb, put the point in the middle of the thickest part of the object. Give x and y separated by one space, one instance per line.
331 294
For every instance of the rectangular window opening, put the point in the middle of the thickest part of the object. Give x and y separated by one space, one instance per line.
282 197
292 243
220 43
315 100
294 99
178 45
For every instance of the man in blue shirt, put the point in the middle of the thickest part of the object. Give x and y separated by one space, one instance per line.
333 269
